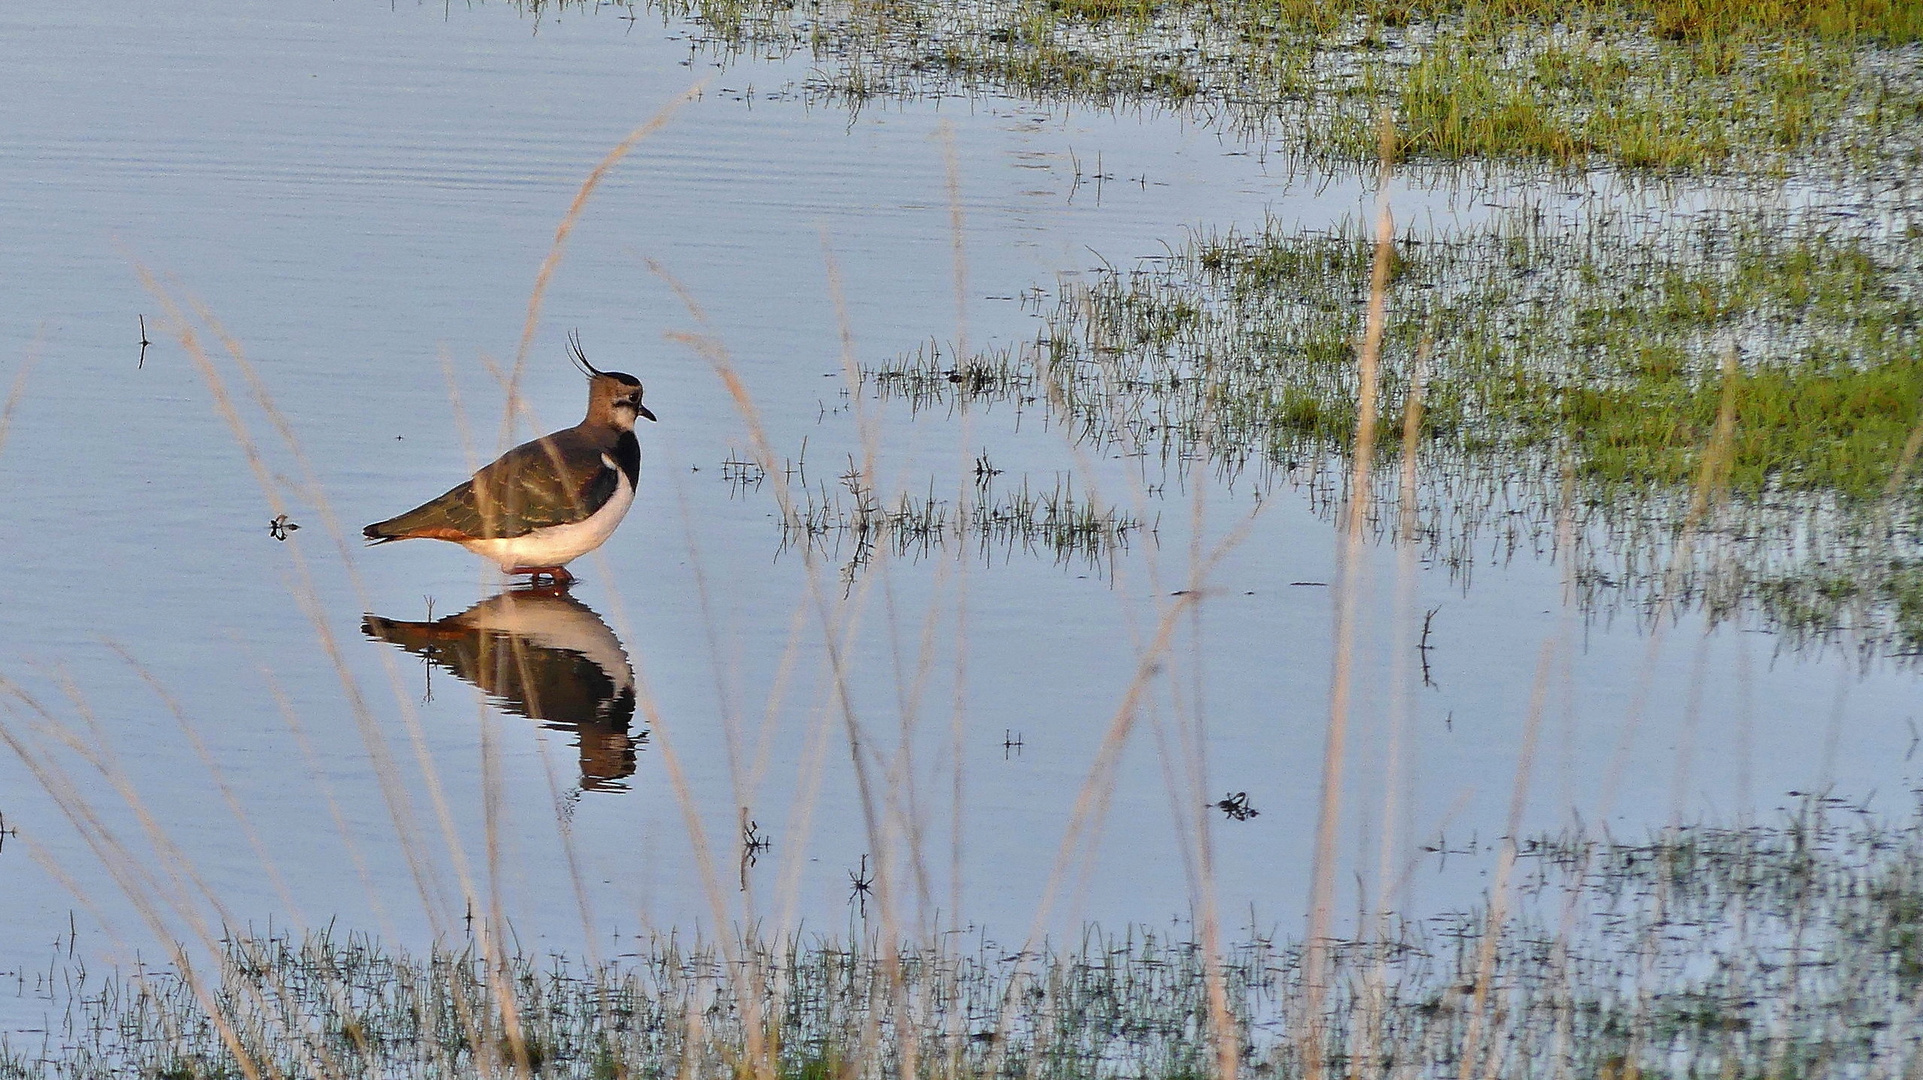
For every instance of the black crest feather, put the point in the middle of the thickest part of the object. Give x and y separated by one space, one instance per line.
579 357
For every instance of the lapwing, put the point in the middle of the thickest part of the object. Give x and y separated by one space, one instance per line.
542 654
547 502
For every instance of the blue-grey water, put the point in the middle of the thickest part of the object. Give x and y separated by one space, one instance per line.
361 194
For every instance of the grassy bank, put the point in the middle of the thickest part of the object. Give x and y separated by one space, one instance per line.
1794 949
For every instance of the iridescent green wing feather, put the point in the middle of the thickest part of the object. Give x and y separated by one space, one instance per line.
557 480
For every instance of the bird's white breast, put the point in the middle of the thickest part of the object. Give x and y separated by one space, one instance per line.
557 545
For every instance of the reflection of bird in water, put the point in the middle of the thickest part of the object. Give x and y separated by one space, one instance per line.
542 654
548 502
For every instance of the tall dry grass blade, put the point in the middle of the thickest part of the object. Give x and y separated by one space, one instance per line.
832 618
1712 482
267 862
755 1026
958 711
1091 798
140 880
17 392
1321 902
306 595
561 233
292 719
491 940
1498 902
1407 643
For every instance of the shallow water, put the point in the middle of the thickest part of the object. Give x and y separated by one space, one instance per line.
362 196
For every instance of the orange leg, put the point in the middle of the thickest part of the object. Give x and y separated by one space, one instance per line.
557 574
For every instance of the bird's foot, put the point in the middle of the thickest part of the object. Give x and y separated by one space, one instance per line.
555 575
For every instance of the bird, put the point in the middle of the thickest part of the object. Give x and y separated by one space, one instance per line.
549 501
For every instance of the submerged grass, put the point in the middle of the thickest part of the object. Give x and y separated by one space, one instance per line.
1000 519
1791 949
1586 344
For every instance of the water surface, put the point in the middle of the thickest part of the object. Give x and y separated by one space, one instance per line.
362 195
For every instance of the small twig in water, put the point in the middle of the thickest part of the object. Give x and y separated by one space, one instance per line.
1423 646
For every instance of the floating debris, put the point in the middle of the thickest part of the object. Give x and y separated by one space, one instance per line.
1236 806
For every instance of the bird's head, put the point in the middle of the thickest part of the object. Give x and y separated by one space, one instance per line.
614 397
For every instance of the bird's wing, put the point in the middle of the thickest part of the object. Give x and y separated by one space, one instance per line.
558 479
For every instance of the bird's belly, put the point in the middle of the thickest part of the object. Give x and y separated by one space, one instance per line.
558 545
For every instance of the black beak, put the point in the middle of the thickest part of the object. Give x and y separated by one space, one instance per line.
643 410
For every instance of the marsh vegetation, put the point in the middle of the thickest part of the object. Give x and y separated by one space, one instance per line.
1790 948
1562 364
1727 87
998 520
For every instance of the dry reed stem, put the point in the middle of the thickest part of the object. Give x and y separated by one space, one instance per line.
1712 480
385 769
745 780
836 624
212 766
713 350
136 879
1559 950
1711 483
1315 956
759 1052
180 871
1099 781
291 718
18 391
1505 865
308 593
562 231
306 596
570 851
44 858
1227 1038
1082 831
830 616
99 752
462 428
910 686
493 914
1897 475
958 704
1401 706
